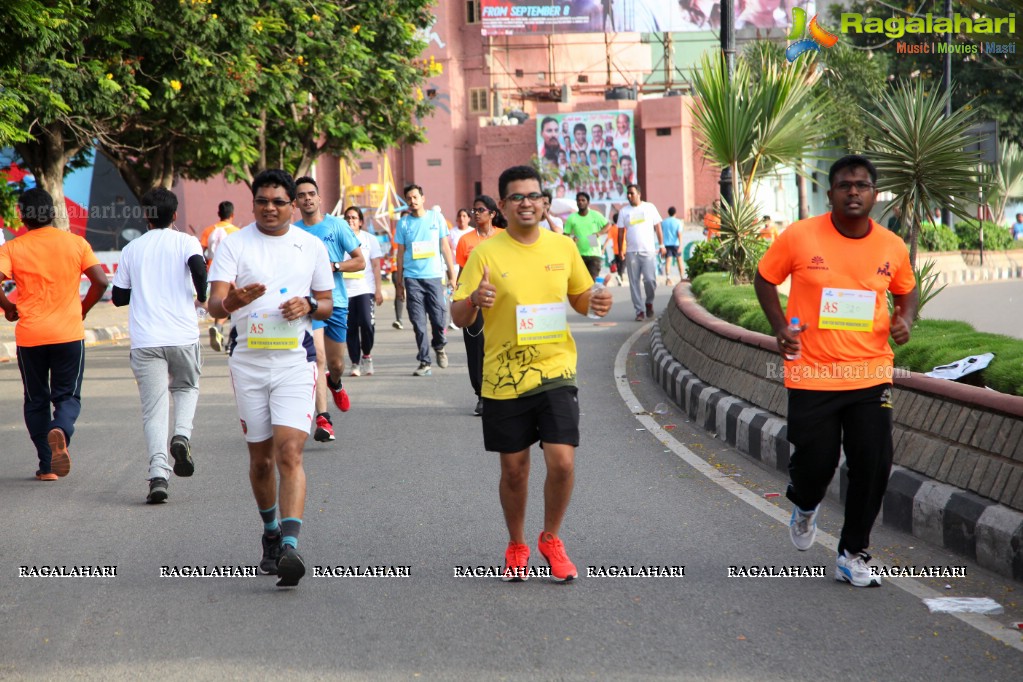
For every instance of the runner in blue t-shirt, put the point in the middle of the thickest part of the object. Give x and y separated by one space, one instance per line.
671 227
420 242
330 336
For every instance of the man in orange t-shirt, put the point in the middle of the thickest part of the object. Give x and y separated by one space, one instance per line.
712 221
47 265
838 364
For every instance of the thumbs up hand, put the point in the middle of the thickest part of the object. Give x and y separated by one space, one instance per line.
899 327
485 293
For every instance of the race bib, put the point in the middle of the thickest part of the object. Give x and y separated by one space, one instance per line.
636 218
358 274
542 323
424 249
850 310
592 239
268 330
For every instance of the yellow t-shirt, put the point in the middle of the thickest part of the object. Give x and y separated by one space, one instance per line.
547 271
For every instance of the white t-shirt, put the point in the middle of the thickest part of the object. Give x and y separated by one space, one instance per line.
356 286
295 263
554 222
455 234
639 222
161 311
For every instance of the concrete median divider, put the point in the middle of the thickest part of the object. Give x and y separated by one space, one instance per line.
958 475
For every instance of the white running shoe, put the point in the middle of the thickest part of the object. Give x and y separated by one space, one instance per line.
853 569
803 528
367 366
356 372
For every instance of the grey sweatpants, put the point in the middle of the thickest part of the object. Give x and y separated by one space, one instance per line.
643 265
153 367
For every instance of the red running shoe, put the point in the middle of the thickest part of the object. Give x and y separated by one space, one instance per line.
340 395
553 550
324 429
516 563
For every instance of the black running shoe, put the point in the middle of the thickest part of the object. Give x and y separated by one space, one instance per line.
182 454
157 491
271 554
290 567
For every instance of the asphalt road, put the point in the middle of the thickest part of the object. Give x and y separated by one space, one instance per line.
407 484
996 307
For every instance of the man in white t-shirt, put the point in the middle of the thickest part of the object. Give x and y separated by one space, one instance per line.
159 276
549 221
639 224
282 278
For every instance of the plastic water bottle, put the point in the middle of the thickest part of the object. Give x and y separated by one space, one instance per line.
794 328
201 313
298 320
598 286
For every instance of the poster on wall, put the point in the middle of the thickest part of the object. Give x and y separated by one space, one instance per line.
597 147
518 17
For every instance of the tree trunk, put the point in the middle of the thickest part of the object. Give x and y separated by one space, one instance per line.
47 155
804 201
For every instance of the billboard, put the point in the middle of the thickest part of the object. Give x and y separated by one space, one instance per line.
597 147
517 17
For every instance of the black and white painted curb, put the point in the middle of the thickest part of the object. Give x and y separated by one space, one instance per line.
962 522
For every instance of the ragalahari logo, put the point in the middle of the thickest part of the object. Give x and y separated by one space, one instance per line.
818 36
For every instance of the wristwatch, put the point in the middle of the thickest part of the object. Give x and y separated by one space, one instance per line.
314 304
336 266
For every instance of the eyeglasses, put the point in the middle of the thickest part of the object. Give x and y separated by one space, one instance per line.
860 186
517 197
263 203
352 217
477 211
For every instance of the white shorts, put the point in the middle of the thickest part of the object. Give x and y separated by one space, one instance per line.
272 396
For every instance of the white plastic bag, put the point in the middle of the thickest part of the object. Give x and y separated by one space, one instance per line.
984 605
961 368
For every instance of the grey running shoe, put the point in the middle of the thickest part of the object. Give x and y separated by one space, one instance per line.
157 491
271 554
397 324
442 358
290 567
479 407
182 454
803 528
423 370
367 365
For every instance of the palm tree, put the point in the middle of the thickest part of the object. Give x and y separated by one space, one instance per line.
1004 179
921 155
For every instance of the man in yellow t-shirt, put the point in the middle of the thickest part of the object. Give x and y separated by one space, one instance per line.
524 280
838 364
47 265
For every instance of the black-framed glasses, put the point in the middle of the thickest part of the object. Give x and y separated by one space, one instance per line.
860 186
351 217
517 197
263 202
477 211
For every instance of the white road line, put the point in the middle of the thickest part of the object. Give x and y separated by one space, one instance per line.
986 625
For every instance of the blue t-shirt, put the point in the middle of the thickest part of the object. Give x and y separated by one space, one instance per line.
339 240
669 228
421 237
1017 231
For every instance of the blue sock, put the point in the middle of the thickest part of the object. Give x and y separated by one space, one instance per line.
290 528
269 517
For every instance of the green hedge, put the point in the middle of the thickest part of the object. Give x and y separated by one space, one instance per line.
937 238
996 237
933 342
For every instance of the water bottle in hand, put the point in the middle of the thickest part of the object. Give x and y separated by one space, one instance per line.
298 320
598 286
201 313
794 329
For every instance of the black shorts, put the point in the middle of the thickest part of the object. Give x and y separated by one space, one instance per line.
513 425
671 252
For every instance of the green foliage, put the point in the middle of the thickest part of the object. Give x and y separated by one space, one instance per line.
920 155
1003 180
767 113
735 304
857 79
996 237
740 247
703 259
926 286
934 237
986 83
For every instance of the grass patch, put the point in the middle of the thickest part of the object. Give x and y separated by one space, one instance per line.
933 342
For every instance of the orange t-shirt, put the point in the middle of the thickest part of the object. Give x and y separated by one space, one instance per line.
712 223
820 258
204 238
612 234
769 232
47 265
469 241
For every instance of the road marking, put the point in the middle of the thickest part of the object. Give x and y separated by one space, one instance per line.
983 623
